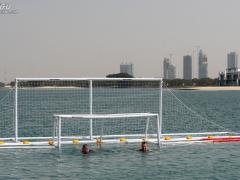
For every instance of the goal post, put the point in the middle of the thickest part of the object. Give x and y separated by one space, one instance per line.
37 99
16 110
140 131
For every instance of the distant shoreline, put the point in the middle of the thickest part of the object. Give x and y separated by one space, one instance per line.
211 88
193 88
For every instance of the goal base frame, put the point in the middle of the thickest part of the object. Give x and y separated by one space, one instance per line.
163 141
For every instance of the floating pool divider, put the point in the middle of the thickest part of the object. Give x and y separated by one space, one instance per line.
98 141
75 141
26 142
210 137
123 140
50 142
223 139
167 138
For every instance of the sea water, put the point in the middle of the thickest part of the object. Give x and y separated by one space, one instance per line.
124 161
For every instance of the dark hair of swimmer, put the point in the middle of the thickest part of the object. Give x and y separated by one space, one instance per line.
144 147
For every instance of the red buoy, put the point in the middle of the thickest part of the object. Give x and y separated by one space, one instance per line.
222 139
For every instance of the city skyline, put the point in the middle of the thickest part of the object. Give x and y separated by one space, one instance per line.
92 38
128 67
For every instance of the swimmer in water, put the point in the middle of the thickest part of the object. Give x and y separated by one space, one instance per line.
144 147
85 149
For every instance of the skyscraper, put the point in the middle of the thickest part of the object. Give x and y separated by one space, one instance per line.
126 68
187 67
202 65
169 70
232 60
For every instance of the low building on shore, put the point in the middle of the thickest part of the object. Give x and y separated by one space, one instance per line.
231 77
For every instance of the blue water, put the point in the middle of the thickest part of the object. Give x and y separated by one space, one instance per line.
123 161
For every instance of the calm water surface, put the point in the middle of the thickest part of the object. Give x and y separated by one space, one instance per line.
213 161
123 161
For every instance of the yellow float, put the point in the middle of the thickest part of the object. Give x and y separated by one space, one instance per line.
50 142
98 141
167 138
189 137
122 140
75 141
26 142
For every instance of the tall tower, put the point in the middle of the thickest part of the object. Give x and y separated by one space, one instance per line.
202 65
232 60
187 67
169 70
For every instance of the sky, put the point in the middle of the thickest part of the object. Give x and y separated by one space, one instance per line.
91 38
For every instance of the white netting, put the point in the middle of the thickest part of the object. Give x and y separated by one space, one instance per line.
126 96
6 113
181 118
39 100
109 126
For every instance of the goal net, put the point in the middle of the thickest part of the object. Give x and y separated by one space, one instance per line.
107 126
28 106
7 113
38 99
181 114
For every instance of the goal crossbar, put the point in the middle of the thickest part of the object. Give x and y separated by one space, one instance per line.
88 79
105 116
58 118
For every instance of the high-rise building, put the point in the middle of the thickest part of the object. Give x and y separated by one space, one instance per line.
187 67
126 68
202 65
166 63
169 70
232 60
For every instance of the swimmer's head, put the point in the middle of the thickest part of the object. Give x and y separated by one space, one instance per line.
85 149
144 146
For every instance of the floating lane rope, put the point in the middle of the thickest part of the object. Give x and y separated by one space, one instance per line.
122 140
167 138
222 139
98 141
26 142
75 141
50 142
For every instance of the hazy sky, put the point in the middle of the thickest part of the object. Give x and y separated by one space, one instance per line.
90 38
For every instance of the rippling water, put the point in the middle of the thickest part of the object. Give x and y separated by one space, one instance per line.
212 161
123 161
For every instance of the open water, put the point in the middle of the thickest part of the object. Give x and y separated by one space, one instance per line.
123 161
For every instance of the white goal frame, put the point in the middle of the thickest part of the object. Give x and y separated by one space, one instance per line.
90 80
58 118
